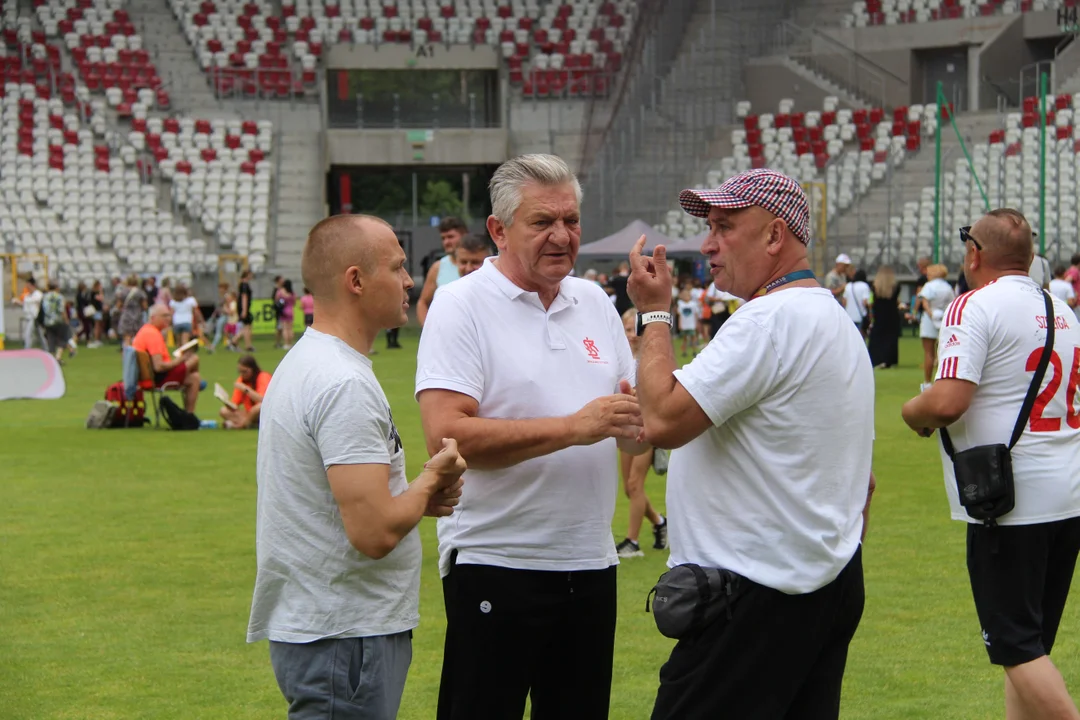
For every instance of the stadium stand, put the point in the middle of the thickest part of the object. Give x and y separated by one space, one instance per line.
1009 162
847 150
552 49
867 13
95 172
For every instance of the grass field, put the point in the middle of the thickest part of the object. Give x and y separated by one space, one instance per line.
127 561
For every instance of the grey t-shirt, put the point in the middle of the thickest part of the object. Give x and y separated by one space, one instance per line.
325 407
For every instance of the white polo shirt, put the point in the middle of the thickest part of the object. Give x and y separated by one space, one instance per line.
489 339
993 337
774 491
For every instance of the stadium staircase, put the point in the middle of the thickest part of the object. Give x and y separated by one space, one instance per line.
301 181
667 160
172 56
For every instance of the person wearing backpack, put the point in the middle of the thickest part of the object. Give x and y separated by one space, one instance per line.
54 320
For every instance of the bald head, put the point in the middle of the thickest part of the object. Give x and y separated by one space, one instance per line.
159 309
1005 237
338 243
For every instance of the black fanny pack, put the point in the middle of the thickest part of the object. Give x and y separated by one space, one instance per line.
984 473
688 597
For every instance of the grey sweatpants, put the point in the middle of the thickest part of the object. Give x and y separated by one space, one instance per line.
345 678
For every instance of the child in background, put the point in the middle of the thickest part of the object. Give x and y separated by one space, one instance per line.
307 306
689 312
288 310
232 319
634 470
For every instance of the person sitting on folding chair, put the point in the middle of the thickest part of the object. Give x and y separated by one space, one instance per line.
182 371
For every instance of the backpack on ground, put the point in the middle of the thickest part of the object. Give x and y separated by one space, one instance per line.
177 417
129 413
101 415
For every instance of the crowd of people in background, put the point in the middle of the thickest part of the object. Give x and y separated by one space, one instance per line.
94 315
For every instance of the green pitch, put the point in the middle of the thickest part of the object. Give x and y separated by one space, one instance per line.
127 560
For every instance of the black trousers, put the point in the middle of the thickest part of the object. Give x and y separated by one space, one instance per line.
392 338
517 633
779 656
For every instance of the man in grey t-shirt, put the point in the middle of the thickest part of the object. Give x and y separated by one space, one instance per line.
338 552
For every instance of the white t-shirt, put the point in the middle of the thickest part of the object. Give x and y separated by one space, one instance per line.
688 315
857 294
491 340
938 294
324 407
183 310
1062 289
32 304
719 298
993 337
775 489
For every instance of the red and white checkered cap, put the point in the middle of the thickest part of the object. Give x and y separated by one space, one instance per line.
774 191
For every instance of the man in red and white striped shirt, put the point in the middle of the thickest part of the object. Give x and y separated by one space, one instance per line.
989 346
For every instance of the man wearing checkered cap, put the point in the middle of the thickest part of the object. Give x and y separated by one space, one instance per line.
773 424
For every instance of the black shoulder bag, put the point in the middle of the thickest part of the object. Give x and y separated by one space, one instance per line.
984 474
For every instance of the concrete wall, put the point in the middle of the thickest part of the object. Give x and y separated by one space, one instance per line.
767 82
401 147
999 61
553 127
393 56
1067 63
942 33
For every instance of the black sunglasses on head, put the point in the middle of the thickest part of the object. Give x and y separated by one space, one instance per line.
965 235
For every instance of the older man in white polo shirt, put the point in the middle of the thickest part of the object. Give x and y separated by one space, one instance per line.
531 372
774 425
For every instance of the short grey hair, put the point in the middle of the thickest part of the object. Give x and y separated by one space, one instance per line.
158 309
515 173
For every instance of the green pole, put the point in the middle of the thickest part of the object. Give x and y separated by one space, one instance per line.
937 168
971 164
1043 79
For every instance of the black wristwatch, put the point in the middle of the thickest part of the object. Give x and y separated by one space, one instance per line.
644 319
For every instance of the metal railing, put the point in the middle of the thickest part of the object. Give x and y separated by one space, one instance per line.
858 75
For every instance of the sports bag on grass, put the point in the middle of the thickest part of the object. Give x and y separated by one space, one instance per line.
688 598
177 417
101 415
984 473
130 412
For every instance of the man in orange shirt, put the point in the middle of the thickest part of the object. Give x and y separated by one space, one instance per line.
183 371
248 393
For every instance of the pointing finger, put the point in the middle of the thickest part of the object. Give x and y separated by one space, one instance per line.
635 253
